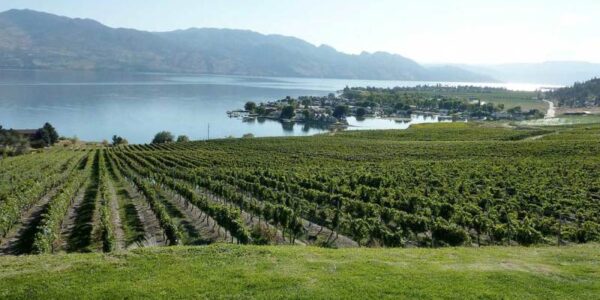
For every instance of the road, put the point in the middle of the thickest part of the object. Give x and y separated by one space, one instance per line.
551 110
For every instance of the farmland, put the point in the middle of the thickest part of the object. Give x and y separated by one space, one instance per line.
454 184
501 206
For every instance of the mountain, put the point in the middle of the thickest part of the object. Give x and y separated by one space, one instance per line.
553 72
36 40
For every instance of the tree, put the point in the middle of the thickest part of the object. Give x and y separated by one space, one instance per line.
361 112
340 111
41 139
12 143
261 110
250 106
306 102
308 115
117 140
52 134
183 139
287 112
45 136
515 110
163 137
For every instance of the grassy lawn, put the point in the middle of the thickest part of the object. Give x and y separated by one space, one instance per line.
510 99
229 271
562 120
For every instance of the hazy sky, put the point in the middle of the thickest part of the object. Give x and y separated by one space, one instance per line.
467 31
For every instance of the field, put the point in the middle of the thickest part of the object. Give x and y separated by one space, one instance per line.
490 188
274 272
526 100
429 186
563 120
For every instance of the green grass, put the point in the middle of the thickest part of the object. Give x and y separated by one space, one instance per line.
456 131
563 120
526 100
229 271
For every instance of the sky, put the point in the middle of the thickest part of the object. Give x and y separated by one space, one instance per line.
459 31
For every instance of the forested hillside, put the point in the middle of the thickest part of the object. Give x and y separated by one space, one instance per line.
581 94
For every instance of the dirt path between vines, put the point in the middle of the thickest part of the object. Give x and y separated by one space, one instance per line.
69 221
153 232
21 236
206 227
115 216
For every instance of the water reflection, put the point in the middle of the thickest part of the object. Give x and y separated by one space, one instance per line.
390 123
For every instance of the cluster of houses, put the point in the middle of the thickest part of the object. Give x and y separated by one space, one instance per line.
332 111
309 110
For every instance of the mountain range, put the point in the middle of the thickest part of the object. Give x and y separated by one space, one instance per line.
37 40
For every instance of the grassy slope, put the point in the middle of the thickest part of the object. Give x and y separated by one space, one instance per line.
510 99
458 131
563 120
305 272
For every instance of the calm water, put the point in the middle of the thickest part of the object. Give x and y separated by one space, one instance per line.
96 105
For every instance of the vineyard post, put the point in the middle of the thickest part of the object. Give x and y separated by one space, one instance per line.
431 230
560 221
509 229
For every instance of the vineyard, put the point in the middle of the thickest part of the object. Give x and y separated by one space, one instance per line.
429 186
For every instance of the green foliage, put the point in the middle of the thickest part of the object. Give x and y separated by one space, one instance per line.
442 185
475 102
183 139
117 141
163 137
26 179
45 136
287 112
457 183
456 131
340 111
106 223
250 106
12 143
47 232
278 272
579 95
361 112
449 234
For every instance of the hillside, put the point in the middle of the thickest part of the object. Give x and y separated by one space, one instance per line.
276 272
581 94
30 39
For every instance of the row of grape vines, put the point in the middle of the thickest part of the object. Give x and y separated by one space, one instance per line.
481 192
341 191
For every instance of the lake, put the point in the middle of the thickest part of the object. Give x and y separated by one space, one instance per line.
95 105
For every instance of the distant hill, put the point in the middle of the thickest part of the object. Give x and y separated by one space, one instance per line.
584 94
554 72
36 40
